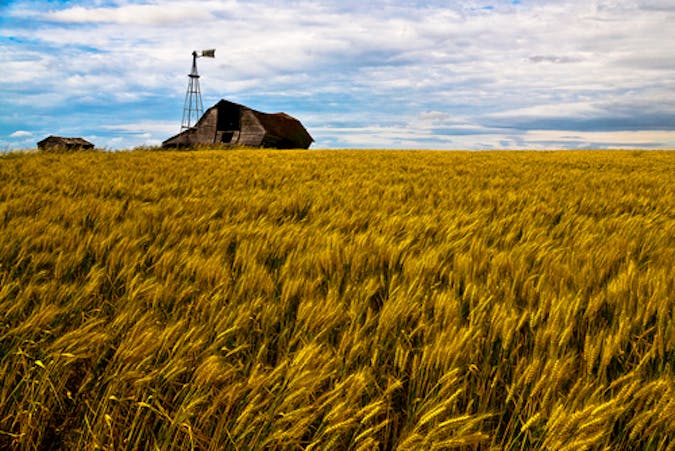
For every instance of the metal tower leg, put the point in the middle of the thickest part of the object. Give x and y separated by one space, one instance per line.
193 107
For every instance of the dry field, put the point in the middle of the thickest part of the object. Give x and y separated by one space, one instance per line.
337 300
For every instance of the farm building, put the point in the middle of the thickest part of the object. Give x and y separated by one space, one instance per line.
60 143
236 125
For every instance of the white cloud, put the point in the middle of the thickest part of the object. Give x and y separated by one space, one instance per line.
574 109
21 134
144 128
618 139
455 66
144 14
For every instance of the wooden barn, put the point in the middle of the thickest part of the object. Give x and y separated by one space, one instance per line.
59 143
232 124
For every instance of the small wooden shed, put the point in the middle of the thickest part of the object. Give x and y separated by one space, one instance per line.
228 123
59 143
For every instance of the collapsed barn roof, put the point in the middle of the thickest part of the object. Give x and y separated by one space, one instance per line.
233 124
62 143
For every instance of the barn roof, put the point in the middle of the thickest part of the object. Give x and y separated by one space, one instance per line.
284 126
65 141
276 130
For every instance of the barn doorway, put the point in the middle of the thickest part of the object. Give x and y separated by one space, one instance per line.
228 117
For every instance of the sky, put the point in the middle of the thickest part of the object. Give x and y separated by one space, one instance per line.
426 74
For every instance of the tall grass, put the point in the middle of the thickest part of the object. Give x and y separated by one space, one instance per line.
337 300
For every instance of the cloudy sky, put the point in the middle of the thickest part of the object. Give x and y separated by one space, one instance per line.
464 74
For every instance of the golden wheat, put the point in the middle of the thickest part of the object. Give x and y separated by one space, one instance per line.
256 299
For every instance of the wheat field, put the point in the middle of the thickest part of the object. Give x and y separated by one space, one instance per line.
259 299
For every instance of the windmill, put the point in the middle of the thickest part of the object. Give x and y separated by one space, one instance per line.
193 107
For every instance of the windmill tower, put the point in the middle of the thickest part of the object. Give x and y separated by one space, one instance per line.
193 107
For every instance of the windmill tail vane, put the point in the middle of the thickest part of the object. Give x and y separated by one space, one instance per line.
193 107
